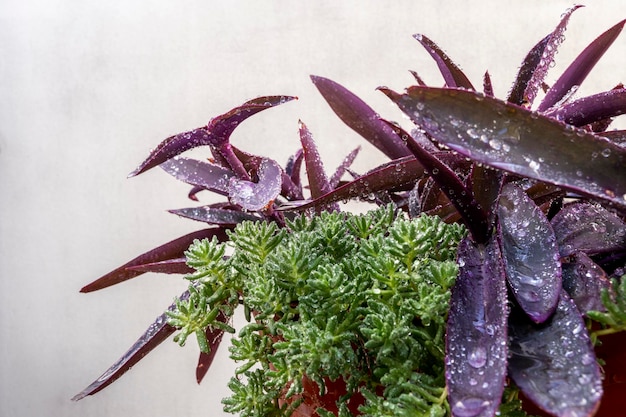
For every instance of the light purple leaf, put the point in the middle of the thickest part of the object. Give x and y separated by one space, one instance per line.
589 228
514 139
476 335
257 196
171 250
578 70
452 74
215 216
530 252
592 108
554 363
360 117
584 281
553 42
216 133
198 173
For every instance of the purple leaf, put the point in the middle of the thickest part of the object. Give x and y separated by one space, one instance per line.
215 216
216 133
588 228
318 181
214 337
618 137
256 196
514 139
476 335
526 71
487 85
395 174
578 70
360 117
463 200
554 364
531 256
592 108
584 280
452 74
170 250
341 169
170 266
198 173
552 44
152 337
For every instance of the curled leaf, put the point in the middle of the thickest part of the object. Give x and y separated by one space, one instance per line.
256 196
198 173
476 335
514 139
554 363
530 253
216 133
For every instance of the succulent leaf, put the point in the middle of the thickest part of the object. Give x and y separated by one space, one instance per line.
514 139
476 336
530 253
554 363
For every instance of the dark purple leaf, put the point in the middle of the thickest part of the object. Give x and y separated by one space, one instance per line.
449 183
170 250
152 337
418 79
618 137
293 167
341 169
215 216
487 85
360 117
526 71
198 173
256 196
554 363
584 280
588 228
476 336
531 256
452 74
514 139
552 44
318 181
591 109
578 70
170 266
216 133
395 174
214 338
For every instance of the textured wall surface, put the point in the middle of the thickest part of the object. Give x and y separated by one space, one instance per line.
88 88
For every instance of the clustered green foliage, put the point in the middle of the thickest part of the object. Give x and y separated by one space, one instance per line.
613 320
357 298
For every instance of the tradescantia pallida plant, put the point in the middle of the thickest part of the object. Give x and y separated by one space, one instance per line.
540 188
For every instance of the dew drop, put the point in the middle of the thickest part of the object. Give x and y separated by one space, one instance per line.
495 144
469 407
606 153
477 357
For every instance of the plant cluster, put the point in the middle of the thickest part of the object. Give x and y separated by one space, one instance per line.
539 187
337 298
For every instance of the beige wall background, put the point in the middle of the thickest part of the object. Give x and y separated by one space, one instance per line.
87 88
